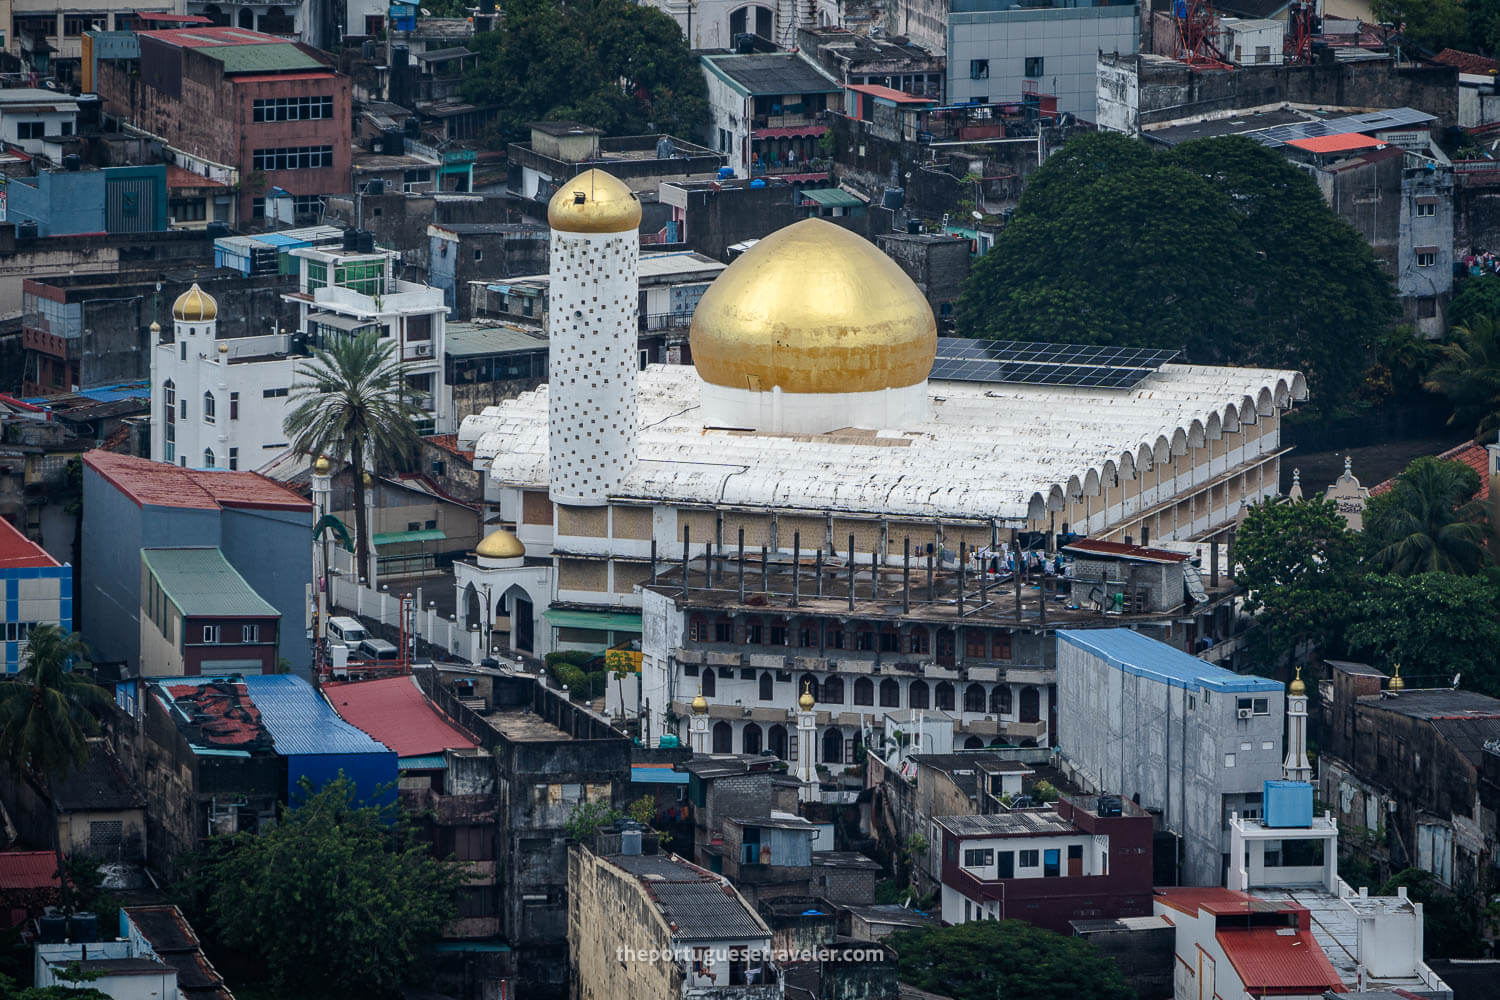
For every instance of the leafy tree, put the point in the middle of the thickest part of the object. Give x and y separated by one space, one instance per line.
336 898
1435 625
984 959
1431 24
618 66
1299 564
10 991
47 714
1084 160
352 404
1427 522
1451 930
588 818
1468 373
1473 298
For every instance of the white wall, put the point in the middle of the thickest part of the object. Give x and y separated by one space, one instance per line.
52 122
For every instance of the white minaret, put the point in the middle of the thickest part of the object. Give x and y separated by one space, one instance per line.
322 493
591 338
807 747
698 725
1296 767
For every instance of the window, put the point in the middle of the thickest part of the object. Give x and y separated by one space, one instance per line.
1426 307
249 633
75 25
1229 760
1051 863
864 640
767 690
187 209
210 633
1034 68
367 277
169 394
778 635
209 408
310 204
920 641
1262 706
726 141
1257 706
257 208
292 109
723 632
890 693
709 685
1030 859
234 459
1426 210
979 858
292 158
753 633
182 407
273 393
30 130
208 458
1426 259
864 691
182 350
317 275
430 525
478 256
234 406
974 644
979 69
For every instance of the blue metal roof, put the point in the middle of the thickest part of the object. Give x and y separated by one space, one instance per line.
1136 654
647 775
422 762
301 722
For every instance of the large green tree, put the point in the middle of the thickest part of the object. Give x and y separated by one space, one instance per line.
1219 247
1468 373
335 898
618 66
352 405
47 714
1435 625
1428 521
985 959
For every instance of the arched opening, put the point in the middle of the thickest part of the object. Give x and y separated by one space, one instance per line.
833 691
215 14
723 738
916 695
473 613
208 458
1000 700
277 22
776 740
890 693
864 691
973 743
247 18
942 696
767 686
1031 705
708 683
515 604
833 745
750 738
974 698
756 18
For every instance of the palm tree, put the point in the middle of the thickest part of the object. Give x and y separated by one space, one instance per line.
47 714
1429 521
1469 375
352 405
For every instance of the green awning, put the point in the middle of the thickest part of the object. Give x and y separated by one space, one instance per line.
831 197
426 535
602 620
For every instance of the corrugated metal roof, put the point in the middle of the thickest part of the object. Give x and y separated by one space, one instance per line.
200 581
703 906
831 197
1278 960
394 711
462 340
1019 823
1135 654
301 722
657 774
159 484
28 869
260 58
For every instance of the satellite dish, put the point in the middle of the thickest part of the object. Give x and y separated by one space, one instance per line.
426 12
977 216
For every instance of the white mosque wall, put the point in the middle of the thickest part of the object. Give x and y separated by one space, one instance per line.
779 412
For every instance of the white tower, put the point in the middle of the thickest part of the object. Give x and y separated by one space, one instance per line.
322 491
807 743
591 338
1296 767
698 725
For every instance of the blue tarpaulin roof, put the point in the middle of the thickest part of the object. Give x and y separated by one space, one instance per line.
647 775
1136 654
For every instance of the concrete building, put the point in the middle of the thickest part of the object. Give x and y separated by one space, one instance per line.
488 361
718 24
38 590
885 62
52 40
560 150
238 107
29 116
937 263
263 530
199 616
699 938
461 253
111 200
765 110
1085 858
95 810
1193 741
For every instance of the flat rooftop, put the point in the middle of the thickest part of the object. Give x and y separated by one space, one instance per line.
1016 823
524 726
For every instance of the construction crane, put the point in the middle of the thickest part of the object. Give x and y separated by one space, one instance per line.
1197 23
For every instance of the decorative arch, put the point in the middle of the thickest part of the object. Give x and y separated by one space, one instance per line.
709 683
1196 437
864 691
723 737
776 740
890 693
833 745
833 691
942 696
974 698
1092 482
809 683
1000 700
750 738
767 686
973 743
916 695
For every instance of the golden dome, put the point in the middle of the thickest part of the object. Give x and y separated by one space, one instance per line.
594 202
1297 686
322 466
1397 684
806 701
195 306
500 544
700 704
813 308
155 327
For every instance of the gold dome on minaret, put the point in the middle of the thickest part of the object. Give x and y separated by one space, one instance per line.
322 466
594 202
195 306
700 704
1397 684
1297 686
813 308
500 544
806 701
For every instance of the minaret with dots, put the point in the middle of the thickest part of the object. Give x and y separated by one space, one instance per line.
591 334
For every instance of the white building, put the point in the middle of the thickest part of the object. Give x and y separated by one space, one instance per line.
29 114
713 24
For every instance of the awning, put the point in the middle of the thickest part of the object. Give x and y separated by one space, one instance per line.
426 535
346 323
653 774
422 762
602 620
832 197
791 132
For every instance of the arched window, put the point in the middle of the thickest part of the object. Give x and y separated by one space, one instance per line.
169 396
1000 700
973 743
890 693
808 683
776 740
833 691
209 407
723 738
709 684
833 745
208 458
1031 705
750 738
974 698
943 696
767 686
916 695
864 691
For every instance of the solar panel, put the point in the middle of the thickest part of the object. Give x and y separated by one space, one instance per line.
960 359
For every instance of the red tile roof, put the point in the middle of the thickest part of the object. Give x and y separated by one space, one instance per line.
161 485
16 550
1092 546
393 711
1471 453
449 443
1279 960
1219 901
1467 62
1335 143
28 870
179 177
890 94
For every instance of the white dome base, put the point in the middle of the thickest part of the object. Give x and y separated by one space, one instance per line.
777 412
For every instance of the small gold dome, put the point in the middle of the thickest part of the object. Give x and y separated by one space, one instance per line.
1397 684
195 306
813 308
700 705
155 327
368 481
1297 686
806 701
500 544
594 202
322 466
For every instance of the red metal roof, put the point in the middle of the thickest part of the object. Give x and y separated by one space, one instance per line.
1279 960
170 18
180 177
889 93
1092 546
791 132
163 485
16 550
199 38
1219 901
28 870
1471 453
393 711
1335 143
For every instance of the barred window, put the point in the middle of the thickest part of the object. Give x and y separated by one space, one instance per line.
293 158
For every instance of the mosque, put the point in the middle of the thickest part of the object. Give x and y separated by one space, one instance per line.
820 409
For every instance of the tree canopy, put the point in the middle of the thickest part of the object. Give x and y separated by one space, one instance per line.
618 66
1436 625
1219 247
1468 373
984 959
336 898
1428 521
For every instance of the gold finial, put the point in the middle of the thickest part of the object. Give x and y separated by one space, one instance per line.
806 701
700 703
1298 687
322 466
1397 684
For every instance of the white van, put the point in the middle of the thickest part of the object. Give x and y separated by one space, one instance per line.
377 651
347 632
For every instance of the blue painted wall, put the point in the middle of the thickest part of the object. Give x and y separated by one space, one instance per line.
272 549
63 202
373 774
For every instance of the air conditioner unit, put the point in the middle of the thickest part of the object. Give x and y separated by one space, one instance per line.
1242 713
421 350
